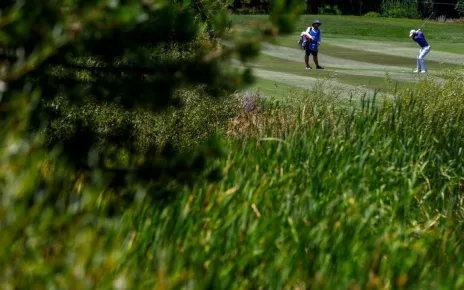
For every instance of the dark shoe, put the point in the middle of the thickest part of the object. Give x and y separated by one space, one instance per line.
319 67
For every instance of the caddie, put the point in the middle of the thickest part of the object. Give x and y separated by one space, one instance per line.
314 34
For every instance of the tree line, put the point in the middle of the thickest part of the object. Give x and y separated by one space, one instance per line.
352 7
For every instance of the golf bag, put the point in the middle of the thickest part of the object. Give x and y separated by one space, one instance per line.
303 42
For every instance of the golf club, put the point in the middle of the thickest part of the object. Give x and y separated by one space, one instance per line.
426 20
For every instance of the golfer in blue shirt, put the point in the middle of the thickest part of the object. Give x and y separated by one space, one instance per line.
419 37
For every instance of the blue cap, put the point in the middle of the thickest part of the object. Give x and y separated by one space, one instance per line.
317 22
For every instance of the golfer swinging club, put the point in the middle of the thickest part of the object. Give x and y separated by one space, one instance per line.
419 37
314 35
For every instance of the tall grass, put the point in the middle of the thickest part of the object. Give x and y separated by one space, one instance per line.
313 194
322 196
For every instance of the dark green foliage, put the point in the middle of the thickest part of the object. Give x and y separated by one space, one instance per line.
460 8
329 10
399 9
355 7
80 84
133 55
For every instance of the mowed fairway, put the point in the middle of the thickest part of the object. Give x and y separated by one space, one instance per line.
358 54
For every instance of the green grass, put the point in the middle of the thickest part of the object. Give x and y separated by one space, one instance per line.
323 197
372 28
278 90
360 51
312 193
361 55
275 64
315 191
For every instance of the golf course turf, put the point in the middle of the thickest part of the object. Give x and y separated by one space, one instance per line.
356 52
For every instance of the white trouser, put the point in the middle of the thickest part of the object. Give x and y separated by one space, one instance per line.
420 58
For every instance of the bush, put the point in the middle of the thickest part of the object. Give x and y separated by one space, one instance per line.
184 127
250 11
399 9
372 14
329 10
460 8
427 8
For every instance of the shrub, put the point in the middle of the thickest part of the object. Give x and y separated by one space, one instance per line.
460 8
372 14
399 9
184 127
329 10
